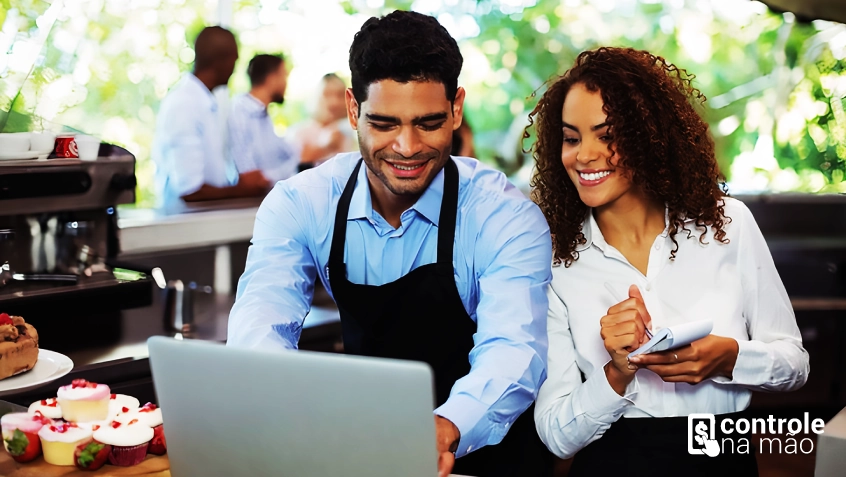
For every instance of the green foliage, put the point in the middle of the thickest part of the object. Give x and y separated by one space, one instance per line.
775 87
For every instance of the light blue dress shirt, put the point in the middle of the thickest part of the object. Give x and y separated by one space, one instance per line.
188 147
502 259
253 143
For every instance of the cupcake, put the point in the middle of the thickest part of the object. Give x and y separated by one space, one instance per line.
83 401
122 404
59 441
20 434
47 407
129 441
150 415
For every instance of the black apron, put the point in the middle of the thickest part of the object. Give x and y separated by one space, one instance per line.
657 447
421 317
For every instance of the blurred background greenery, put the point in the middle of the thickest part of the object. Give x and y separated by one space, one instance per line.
776 86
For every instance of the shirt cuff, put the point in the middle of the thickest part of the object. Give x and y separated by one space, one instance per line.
597 399
752 367
466 413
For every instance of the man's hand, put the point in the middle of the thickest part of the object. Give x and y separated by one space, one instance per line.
711 356
253 181
446 436
623 330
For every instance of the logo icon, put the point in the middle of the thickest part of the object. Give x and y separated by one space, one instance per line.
700 435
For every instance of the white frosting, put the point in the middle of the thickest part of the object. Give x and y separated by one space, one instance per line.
151 418
53 412
84 393
90 425
73 434
121 401
126 435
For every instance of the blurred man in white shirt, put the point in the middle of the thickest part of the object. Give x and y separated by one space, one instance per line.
253 143
188 148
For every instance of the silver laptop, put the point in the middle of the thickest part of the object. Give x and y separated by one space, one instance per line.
232 412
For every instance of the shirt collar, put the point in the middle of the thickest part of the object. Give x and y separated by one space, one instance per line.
255 105
428 205
594 236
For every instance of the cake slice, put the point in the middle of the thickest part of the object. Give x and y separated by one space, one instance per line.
18 346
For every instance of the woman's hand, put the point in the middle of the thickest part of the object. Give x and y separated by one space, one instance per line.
711 356
623 330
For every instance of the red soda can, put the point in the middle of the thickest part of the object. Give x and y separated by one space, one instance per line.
66 147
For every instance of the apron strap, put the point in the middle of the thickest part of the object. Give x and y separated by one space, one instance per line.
339 235
446 220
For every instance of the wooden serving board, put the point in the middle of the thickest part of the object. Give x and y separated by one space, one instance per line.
153 466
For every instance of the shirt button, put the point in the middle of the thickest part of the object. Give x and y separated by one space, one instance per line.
469 448
648 287
657 246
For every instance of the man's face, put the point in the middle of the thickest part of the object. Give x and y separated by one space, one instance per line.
279 82
405 133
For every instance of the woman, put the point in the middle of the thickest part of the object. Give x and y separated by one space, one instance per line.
328 130
627 178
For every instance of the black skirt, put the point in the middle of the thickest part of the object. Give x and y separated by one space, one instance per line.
656 447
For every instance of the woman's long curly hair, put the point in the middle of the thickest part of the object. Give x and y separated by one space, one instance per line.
661 140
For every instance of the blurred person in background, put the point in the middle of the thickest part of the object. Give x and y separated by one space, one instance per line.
253 143
188 146
629 183
328 128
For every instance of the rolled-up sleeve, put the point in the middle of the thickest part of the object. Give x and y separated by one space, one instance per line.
508 360
773 359
275 292
571 414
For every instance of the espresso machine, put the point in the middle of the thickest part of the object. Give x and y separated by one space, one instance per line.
58 242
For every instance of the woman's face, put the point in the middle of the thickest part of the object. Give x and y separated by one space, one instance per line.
587 147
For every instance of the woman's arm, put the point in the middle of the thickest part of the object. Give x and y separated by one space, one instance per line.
570 413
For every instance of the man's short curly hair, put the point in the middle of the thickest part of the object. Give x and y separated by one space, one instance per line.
657 132
404 46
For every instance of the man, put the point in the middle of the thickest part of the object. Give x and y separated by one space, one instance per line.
253 142
428 257
188 146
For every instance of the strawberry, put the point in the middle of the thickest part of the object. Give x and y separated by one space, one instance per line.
5 319
158 446
91 455
24 446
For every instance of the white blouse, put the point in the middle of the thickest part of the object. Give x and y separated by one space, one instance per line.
735 284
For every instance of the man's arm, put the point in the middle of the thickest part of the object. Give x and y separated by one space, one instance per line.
508 361
250 184
275 292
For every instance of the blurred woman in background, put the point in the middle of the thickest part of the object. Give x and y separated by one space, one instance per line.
328 127
628 181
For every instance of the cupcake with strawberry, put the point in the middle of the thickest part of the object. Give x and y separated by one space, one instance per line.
84 401
129 441
122 404
150 415
60 440
20 434
47 407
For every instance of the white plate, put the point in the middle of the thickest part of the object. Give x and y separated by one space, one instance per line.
49 367
12 156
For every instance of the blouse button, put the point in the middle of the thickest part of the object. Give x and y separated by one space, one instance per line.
649 287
